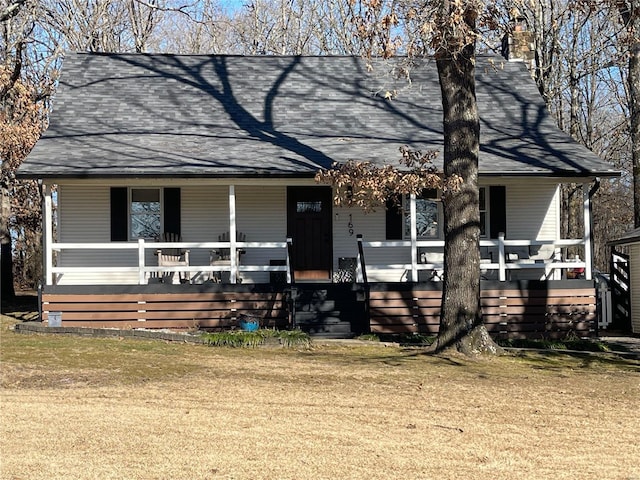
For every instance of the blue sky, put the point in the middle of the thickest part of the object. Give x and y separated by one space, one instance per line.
233 4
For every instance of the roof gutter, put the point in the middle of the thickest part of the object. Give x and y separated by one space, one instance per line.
594 188
257 174
551 174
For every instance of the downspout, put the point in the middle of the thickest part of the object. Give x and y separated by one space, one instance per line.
42 280
594 188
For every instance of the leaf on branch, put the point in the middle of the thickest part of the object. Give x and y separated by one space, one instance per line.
368 186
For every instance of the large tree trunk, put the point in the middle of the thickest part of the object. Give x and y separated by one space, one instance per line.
630 14
634 102
461 326
7 291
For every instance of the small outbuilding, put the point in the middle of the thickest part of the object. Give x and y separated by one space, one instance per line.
625 280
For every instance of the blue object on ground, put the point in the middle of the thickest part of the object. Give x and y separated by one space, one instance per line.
249 325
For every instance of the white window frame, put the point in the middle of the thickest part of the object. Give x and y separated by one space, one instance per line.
406 233
486 212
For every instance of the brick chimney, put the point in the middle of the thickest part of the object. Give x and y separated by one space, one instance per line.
518 43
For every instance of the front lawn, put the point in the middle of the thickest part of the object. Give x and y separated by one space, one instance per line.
124 408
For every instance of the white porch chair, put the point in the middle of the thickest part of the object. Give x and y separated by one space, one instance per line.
222 257
172 257
436 259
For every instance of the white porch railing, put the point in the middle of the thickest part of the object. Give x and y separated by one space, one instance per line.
144 271
552 267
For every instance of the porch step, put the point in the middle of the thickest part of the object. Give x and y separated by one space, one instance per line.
328 311
323 324
317 317
324 306
328 330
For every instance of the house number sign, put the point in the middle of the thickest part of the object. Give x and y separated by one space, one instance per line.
350 225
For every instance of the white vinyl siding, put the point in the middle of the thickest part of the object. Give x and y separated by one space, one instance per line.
533 213
533 210
372 227
204 216
84 217
261 216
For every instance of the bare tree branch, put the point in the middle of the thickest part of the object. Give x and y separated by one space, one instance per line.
11 10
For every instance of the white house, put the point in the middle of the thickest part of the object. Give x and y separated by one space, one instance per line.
203 146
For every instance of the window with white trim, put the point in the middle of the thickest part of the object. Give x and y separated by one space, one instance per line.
428 214
145 213
484 212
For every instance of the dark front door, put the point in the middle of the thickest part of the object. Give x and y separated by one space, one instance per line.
309 225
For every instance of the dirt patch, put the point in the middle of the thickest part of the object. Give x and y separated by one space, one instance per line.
109 408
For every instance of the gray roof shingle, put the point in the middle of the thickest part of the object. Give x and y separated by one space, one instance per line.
123 115
632 236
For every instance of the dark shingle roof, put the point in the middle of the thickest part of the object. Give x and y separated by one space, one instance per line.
632 236
136 114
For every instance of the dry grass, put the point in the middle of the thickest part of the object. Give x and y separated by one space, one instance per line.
78 408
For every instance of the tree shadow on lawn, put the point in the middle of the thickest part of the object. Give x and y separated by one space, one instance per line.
562 359
537 359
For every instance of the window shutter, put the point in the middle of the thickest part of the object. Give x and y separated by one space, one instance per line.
394 221
497 210
119 214
172 211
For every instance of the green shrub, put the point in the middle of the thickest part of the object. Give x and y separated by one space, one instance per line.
369 337
241 338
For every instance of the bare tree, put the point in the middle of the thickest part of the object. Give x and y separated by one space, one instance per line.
578 67
90 26
630 15
143 19
34 36
262 27
22 116
449 31
461 326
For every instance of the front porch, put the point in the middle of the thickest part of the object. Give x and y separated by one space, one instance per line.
370 283
288 231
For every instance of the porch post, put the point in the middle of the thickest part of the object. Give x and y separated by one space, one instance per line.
586 211
233 275
502 274
141 259
414 238
48 236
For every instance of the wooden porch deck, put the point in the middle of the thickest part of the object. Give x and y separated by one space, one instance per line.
176 307
523 309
